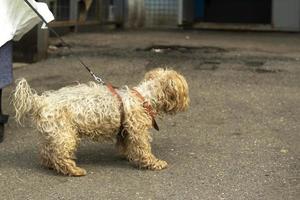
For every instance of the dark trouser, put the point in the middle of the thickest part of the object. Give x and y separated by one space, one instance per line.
0 101
5 79
3 119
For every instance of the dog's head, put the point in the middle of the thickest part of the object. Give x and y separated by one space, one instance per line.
174 95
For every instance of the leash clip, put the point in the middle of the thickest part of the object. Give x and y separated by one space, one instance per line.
98 79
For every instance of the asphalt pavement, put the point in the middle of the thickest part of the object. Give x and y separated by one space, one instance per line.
240 139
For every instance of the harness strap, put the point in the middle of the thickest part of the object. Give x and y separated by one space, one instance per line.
148 107
112 89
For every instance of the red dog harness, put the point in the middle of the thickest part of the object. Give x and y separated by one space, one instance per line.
147 106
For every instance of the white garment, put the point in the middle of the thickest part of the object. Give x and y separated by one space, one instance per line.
17 18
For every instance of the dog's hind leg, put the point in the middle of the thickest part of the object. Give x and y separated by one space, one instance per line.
58 152
138 150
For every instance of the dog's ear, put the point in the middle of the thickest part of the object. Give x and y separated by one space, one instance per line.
176 94
171 98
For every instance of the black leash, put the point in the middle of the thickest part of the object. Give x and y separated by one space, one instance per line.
98 79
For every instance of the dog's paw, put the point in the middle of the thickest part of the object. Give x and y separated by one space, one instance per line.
158 165
77 172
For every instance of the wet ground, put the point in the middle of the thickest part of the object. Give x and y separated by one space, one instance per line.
239 140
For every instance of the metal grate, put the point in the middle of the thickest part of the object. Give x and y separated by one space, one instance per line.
93 13
63 10
60 9
161 13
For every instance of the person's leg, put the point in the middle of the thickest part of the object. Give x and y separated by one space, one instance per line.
1 124
5 79
0 101
3 119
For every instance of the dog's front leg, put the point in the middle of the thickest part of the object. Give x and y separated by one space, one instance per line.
138 150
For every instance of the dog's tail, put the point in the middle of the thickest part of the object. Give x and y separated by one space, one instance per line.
24 100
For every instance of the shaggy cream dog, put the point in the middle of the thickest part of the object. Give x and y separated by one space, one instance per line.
97 111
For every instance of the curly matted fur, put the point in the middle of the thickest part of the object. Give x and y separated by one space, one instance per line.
64 116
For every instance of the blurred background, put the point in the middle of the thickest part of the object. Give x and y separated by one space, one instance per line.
91 15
